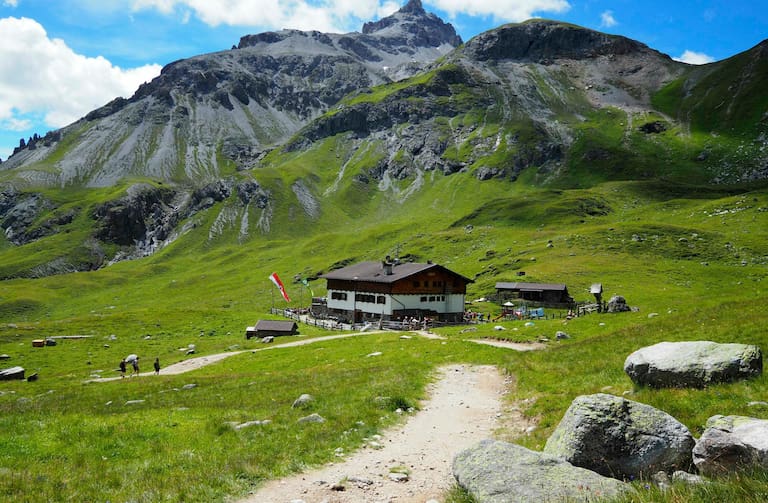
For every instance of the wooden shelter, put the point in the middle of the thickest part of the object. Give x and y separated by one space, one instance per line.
275 328
545 293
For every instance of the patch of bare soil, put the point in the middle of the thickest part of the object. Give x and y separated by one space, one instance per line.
464 407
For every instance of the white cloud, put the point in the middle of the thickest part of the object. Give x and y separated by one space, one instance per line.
325 16
15 124
502 10
339 15
43 76
694 58
11 3
607 20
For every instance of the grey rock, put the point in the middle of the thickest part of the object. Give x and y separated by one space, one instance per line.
730 444
303 401
618 304
5 357
312 418
12 373
560 335
688 478
189 386
267 339
620 438
499 472
662 481
399 477
247 424
693 364
134 402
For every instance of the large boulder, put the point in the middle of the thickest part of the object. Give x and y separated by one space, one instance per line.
620 438
500 472
692 364
732 443
618 304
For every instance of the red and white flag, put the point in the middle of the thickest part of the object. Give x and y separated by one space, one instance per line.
279 284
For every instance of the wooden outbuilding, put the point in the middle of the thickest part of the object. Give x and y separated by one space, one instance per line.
545 293
274 328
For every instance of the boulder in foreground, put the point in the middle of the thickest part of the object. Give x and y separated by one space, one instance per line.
500 472
620 438
732 443
693 364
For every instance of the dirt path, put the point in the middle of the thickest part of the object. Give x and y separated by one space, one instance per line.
201 361
465 406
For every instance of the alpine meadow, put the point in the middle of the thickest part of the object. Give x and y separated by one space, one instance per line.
539 152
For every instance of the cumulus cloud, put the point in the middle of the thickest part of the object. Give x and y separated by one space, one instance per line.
694 58
607 20
43 76
11 3
339 15
325 15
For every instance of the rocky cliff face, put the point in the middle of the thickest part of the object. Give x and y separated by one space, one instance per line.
526 82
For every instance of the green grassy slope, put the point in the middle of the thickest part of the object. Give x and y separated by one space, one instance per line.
624 208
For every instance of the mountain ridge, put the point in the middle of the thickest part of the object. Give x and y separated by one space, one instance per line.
321 134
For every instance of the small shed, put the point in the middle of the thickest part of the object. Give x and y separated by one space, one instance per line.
274 328
552 293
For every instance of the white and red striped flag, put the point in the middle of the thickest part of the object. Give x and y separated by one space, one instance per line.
279 284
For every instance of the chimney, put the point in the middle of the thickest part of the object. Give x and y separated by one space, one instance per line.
386 264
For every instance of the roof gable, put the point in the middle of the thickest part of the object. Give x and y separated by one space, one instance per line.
534 287
374 272
276 325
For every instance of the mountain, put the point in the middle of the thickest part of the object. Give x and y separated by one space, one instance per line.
293 134
206 115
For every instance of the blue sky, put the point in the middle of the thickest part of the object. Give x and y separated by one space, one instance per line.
60 59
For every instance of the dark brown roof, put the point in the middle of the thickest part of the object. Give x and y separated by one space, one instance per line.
374 272
531 287
276 325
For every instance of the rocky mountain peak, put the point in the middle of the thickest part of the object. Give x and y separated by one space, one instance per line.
413 21
543 40
413 7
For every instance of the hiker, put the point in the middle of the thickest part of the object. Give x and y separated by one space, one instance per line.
122 367
135 364
157 366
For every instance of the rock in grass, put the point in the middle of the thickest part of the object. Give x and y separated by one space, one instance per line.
312 418
499 472
620 438
12 373
730 444
303 401
692 364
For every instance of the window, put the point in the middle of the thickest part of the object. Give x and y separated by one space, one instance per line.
339 295
381 299
416 284
423 298
432 298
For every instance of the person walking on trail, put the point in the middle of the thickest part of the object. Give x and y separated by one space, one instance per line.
135 364
122 367
157 366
